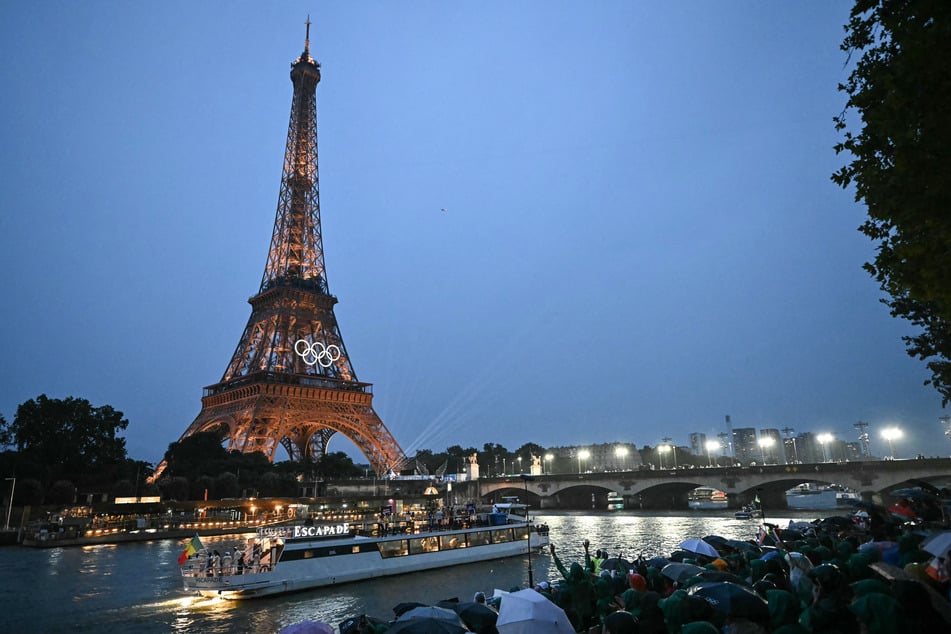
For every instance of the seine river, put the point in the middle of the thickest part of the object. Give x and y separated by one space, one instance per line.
137 588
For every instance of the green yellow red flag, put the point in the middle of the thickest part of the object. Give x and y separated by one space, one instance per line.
193 547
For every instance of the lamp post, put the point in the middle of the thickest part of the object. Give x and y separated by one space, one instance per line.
519 458
825 439
673 448
621 453
528 529
712 445
548 458
10 507
661 450
891 434
584 454
765 442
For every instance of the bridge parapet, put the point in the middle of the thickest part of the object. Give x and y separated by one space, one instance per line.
740 483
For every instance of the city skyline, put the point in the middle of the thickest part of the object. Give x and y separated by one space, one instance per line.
611 223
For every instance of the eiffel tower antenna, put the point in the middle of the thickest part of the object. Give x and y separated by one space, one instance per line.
290 381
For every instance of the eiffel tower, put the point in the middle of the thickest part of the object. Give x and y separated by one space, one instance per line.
290 381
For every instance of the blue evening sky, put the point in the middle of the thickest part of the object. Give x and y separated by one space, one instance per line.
640 233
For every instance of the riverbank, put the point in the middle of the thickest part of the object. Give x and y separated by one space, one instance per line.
54 540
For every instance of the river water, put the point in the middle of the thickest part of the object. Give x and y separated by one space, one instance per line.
137 588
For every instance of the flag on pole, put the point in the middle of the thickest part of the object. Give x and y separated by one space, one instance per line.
193 547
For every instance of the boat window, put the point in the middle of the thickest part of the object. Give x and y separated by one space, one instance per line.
419 545
451 542
500 536
521 533
308 554
395 548
480 538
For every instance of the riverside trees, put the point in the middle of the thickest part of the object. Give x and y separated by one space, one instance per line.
901 89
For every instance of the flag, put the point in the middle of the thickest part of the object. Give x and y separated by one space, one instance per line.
193 547
756 499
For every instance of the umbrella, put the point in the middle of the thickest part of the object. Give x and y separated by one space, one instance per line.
528 612
399 608
353 624
719 542
716 575
732 599
698 547
680 572
425 626
617 563
740 545
307 627
913 494
478 617
658 562
431 612
939 544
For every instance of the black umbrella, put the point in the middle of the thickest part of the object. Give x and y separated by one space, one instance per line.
732 599
353 625
478 617
680 571
742 546
717 575
658 562
718 542
617 563
400 608
425 626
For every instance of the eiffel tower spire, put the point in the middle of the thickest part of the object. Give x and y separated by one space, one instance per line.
290 381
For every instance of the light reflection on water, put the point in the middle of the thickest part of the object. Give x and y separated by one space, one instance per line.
137 587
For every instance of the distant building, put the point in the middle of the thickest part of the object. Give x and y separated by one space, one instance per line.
698 444
745 446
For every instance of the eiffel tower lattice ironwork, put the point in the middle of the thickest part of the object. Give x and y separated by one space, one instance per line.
290 381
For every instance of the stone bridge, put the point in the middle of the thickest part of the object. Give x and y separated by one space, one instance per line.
651 489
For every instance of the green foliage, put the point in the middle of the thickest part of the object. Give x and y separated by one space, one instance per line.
62 492
901 89
68 438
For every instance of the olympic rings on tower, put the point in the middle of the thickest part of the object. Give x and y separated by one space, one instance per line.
314 353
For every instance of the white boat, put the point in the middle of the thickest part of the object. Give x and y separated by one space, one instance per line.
615 501
707 498
748 512
297 557
809 496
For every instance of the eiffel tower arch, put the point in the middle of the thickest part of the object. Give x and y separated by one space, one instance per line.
290 382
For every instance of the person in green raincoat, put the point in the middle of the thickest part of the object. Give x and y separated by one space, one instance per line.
878 613
579 591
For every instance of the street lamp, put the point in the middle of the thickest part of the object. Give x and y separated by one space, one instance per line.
764 443
825 439
621 453
584 454
673 448
661 450
10 508
519 464
891 434
548 458
712 445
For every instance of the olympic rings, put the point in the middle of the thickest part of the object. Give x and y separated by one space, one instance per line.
309 353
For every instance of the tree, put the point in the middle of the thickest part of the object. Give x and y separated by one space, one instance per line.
71 437
901 89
